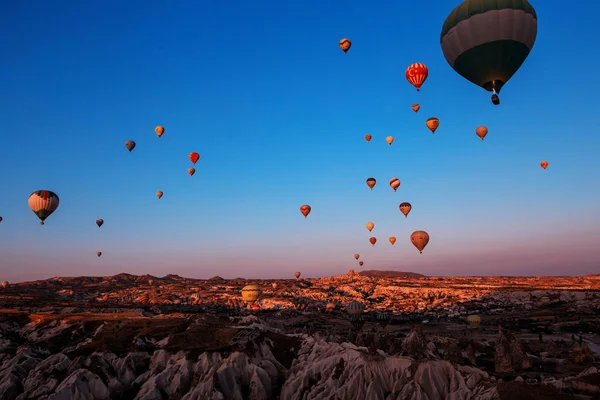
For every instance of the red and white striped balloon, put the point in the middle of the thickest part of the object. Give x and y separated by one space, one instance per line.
416 74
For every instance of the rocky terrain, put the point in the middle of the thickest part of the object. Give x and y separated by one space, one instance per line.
145 337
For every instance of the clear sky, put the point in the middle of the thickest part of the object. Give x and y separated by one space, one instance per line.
278 114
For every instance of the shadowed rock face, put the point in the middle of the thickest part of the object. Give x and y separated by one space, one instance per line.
71 346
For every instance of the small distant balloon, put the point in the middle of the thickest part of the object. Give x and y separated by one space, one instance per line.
274 285
373 240
371 183
405 208
416 107
297 274
305 210
160 130
432 123
389 140
395 183
159 194
368 137
345 45
392 240
416 75
130 145
191 171
474 321
0 219
356 256
361 263
194 157
370 226
419 239
4 284
481 131
99 222
544 164
99 253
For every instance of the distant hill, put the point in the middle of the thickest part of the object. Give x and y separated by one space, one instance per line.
390 274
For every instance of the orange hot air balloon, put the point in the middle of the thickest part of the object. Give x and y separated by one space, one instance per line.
361 263
405 208
373 240
395 183
99 253
305 210
194 157
481 131
159 194
356 256
368 137
371 182
392 240
419 239
159 130
416 74
370 226
191 171
544 164
390 140
345 45
416 107
297 274
432 123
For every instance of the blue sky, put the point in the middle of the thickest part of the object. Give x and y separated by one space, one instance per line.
278 114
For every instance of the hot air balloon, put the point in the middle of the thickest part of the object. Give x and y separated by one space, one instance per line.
432 123
0 219
405 208
356 309
368 137
392 240
544 164
191 171
274 285
105 298
545 300
4 284
130 145
330 307
481 131
250 294
159 194
395 183
474 321
99 253
345 45
99 222
150 282
356 256
305 210
361 263
487 41
416 107
370 226
43 203
255 308
194 157
419 239
371 182
373 240
297 274
389 140
416 74
159 130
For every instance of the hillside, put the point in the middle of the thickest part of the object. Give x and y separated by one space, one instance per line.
390 274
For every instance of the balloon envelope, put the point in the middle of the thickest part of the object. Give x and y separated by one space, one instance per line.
373 240
99 222
130 145
250 294
416 74
390 140
432 123
474 321
371 183
370 226
544 164
368 137
191 171
481 131
395 183
416 107
392 239
159 130
159 194
419 239
405 208
194 157
297 274
43 203
357 256
345 44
